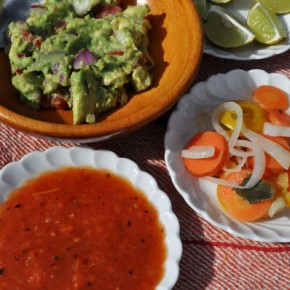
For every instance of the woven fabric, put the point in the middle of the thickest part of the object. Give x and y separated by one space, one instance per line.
212 258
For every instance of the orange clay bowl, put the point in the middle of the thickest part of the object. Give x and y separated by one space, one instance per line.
176 46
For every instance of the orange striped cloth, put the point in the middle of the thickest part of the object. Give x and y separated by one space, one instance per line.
212 258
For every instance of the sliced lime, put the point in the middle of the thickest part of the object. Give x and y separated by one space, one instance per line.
220 1
265 24
224 30
201 7
277 6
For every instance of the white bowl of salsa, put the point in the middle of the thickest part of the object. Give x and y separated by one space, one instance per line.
87 219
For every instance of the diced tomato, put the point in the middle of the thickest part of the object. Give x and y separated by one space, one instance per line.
119 52
60 26
26 36
59 103
56 102
37 41
19 71
104 10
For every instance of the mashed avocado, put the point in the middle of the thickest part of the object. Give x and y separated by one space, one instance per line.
80 55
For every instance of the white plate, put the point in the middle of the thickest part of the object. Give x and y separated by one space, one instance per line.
191 116
255 50
15 173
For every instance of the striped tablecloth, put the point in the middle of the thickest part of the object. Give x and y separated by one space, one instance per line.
212 258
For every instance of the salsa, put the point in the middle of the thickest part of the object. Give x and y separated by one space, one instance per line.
80 228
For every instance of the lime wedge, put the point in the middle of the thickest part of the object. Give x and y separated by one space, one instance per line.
224 30
265 24
220 1
201 7
277 6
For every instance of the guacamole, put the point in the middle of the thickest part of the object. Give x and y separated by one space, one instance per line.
82 55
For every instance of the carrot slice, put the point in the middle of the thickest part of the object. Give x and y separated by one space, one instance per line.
271 98
278 117
212 165
237 207
272 165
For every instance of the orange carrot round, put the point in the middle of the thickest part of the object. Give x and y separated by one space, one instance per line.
212 165
237 207
278 117
271 98
273 167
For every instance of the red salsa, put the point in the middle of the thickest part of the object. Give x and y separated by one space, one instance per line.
80 228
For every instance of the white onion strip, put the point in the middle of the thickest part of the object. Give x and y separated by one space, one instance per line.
275 150
198 152
216 116
259 162
258 169
241 162
220 181
276 130
276 206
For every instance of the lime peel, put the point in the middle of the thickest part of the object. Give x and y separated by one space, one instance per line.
277 6
224 29
265 24
220 1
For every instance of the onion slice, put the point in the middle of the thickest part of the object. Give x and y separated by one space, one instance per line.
82 7
276 206
276 130
216 116
198 152
241 162
258 170
275 150
220 181
259 162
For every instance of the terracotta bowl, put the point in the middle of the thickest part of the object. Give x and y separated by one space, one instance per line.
176 44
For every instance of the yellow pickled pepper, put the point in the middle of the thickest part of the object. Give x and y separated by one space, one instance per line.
254 117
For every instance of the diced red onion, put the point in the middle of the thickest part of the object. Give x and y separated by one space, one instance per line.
38 9
83 59
198 152
21 55
55 68
61 77
37 6
272 148
276 130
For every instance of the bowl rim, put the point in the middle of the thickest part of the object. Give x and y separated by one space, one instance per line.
137 119
33 164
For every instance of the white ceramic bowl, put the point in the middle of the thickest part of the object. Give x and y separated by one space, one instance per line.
15 173
192 116
255 50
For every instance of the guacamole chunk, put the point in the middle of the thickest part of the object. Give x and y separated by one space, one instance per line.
80 54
